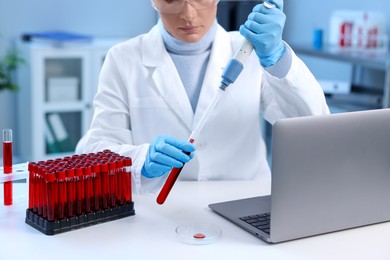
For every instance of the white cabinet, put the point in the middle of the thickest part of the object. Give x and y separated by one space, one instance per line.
57 86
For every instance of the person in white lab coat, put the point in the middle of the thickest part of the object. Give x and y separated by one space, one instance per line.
154 88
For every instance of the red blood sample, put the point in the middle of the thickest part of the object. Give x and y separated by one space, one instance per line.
199 236
162 196
7 163
105 185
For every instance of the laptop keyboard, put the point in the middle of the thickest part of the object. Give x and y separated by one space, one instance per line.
261 222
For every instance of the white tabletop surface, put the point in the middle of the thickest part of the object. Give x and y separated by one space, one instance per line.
150 234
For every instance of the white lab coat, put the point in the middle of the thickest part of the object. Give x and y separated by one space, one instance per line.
141 96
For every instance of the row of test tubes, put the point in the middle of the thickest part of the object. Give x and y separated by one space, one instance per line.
80 184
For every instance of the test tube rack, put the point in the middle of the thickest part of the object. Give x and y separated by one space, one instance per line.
78 191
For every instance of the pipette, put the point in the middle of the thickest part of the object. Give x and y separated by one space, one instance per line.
229 76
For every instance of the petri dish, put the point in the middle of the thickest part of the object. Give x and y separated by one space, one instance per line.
198 233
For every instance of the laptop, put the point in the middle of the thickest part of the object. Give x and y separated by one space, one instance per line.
329 173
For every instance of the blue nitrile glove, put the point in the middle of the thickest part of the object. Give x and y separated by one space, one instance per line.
164 153
264 29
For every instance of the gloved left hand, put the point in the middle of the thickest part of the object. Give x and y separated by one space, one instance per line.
164 153
264 28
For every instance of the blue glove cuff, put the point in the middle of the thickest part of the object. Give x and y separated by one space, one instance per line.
267 61
145 173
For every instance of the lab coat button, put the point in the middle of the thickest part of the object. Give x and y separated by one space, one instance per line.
201 146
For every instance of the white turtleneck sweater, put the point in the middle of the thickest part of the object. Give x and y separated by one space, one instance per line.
191 60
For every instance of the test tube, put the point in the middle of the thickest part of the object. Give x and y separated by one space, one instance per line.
120 196
45 203
41 185
62 193
7 163
105 184
97 186
35 183
71 191
126 178
31 185
51 195
113 183
79 178
162 196
87 170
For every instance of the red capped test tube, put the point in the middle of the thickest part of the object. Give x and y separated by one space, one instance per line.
80 194
62 193
71 188
126 178
41 188
120 196
105 184
87 170
52 195
7 164
113 183
43 193
97 186
36 183
31 185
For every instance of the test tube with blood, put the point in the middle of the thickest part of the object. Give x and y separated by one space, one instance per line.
87 170
71 188
51 195
31 185
105 184
79 179
97 186
62 193
44 192
120 196
7 163
37 187
41 187
126 179
113 183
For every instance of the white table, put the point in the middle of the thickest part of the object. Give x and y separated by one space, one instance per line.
150 234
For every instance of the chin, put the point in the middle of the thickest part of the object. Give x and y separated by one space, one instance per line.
190 38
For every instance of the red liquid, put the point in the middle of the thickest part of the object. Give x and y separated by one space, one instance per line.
97 188
80 205
41 193
120 196
62 198
71 188
127 180
105 189
162 196
31 186
71 197
88 193
7 163
52 200
7 157
113 184
127 185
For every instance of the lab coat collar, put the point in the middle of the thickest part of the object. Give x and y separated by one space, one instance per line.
165 76
167 80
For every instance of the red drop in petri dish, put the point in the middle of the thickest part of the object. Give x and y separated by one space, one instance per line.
198 233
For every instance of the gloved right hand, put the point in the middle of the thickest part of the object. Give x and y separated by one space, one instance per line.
164 153
264 28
